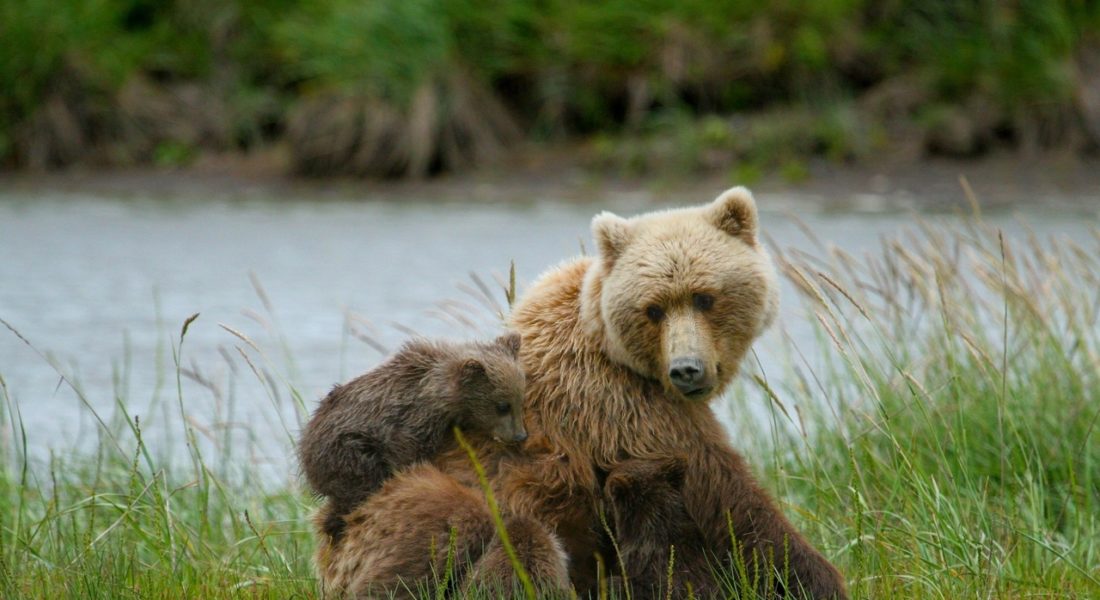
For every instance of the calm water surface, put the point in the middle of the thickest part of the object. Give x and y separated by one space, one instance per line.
101 285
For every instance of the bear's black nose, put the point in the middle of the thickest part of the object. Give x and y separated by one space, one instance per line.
687 374
520 437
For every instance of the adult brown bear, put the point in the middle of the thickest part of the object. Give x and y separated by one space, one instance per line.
622 353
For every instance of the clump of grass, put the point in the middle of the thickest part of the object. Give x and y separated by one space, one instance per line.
451 123
122 522
944 442
778 140
381 113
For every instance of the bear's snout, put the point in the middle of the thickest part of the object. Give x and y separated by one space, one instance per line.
688 374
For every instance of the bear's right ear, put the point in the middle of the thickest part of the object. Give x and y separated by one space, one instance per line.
510 341
611 233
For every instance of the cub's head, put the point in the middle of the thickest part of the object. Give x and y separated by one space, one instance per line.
645 503
678 296
490 385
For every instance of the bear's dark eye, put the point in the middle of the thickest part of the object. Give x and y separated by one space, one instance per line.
703 302
654 313
503 408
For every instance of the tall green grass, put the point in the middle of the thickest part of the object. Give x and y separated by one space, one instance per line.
125 521
945 444
939 442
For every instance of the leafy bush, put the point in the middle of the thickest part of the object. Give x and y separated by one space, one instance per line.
961 76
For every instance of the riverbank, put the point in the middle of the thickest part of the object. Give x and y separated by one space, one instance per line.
567 173
410 89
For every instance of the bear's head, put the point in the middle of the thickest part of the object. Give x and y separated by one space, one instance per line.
678 296
490 385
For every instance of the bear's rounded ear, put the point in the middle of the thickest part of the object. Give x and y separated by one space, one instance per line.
618 486
734 212
611 233
674 471
471 371
510 341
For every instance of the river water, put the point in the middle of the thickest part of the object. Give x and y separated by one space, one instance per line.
293 293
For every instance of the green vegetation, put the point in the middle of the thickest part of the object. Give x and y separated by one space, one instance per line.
940 443
950 448
127 522
416 87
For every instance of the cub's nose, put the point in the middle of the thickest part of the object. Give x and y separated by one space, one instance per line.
687 374
520 437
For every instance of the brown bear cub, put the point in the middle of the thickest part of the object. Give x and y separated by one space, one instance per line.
403 411
652 530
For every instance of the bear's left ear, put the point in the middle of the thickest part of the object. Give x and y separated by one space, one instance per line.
612 233
735 213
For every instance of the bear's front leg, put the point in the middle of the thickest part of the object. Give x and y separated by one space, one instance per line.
720 492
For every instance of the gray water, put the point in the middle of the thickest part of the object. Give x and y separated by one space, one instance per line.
99 286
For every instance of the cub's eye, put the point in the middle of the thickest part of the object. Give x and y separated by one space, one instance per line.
703 302
503 408
654 313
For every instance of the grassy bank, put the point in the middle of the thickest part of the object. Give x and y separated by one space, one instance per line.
952 449
941 442
411 88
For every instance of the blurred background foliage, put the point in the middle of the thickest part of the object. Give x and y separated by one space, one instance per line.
416 87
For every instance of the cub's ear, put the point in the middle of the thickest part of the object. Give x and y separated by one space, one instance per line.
674 470
619 486
510 341
734 212
471 371
611 233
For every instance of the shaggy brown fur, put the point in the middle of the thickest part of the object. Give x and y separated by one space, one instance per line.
402 412
539 551
601 338
399 539
599 386
652 529
399 542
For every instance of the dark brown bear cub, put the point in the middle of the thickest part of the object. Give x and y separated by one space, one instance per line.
653 531
403 411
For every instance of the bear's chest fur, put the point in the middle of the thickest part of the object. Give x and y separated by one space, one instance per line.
585 404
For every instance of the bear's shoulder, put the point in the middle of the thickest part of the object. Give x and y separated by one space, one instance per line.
554 294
